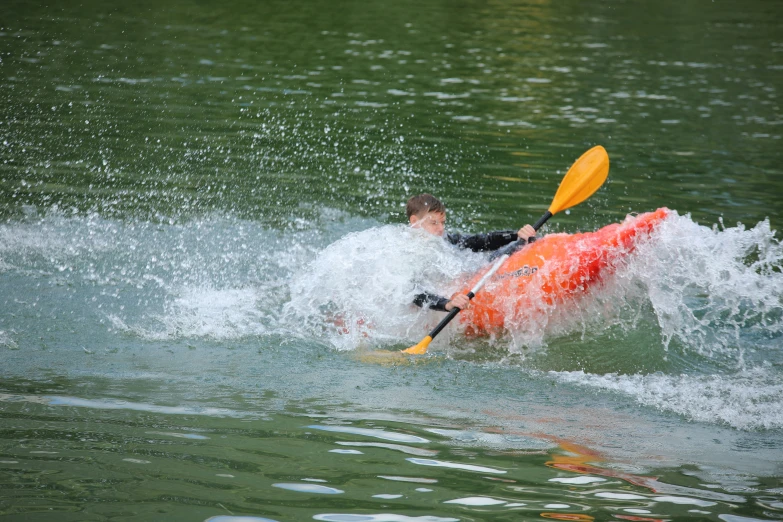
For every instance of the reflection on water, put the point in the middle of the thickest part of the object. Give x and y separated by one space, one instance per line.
233 466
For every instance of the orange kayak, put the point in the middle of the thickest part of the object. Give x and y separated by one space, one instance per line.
551 270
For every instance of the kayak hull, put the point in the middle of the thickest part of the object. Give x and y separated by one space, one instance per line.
551 270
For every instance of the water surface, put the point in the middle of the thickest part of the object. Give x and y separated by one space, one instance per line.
188 190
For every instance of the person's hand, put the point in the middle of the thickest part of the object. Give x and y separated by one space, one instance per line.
526 232
460 301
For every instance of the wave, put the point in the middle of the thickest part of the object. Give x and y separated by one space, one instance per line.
746 400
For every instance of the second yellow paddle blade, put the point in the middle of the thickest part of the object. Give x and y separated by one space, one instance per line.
584 177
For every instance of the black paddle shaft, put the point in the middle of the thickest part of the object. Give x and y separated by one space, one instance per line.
519 243
446 320
544 219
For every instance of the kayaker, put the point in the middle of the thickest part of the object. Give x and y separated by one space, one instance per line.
427 212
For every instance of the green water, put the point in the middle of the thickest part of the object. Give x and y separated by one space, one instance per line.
162 108
168 169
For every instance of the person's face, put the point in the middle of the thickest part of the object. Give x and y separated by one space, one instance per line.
432 222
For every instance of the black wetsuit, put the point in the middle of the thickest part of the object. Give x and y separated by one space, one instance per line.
477 243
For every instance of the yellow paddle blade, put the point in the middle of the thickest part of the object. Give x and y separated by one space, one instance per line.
584 177
420 348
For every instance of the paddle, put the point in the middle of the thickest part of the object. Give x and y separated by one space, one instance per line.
584 177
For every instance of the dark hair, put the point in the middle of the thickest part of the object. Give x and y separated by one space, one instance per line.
424 203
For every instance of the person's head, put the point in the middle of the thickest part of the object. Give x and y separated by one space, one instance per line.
427 212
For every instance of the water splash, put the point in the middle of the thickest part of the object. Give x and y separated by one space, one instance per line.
360 289
713 289
214 277
204 312
713 293
716 295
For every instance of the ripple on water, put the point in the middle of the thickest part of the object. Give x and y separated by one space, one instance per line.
137 461
577 480
397 447
476 501
685 501
454 465
378 434
308 488
231 518
419 480
619 496
737 518
382 517
192 436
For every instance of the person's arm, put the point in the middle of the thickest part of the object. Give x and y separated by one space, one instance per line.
439 303
526 234
431 301
483 242
492 240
